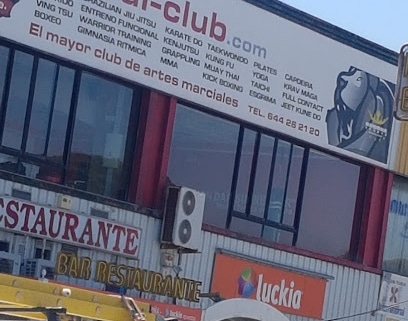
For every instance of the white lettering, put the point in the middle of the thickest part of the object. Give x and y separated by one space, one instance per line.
279 294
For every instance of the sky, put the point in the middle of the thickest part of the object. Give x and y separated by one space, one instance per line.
384 22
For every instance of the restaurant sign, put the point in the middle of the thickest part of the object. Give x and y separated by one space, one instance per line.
126 276
60 226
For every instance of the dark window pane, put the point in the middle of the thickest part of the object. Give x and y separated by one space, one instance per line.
263 170
41 107
293 185
50 173
4 52
276 235
280 173
244 175
50 110
202 157
60 115
328 205
99 138
30 170
17 101
246 227
8 163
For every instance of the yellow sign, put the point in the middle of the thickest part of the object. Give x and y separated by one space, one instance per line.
127 276
404 99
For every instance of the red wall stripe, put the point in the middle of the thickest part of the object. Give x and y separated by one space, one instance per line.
375 218
149 173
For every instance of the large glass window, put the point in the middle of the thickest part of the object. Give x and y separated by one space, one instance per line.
66 125
328 205
396 241
50 110
267 178
99 138
269 188
17 100
204 159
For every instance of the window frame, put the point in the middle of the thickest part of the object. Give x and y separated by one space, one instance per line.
355 254
22 156
231 212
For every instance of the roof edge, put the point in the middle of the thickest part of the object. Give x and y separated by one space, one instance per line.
327 29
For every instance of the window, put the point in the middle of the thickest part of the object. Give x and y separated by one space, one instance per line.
264 186
50 110
204 159
268 176
328 205
4 246
4 55
99 137
42 249
17 100
66 125
396 241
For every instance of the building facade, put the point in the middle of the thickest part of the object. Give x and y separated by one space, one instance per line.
174 152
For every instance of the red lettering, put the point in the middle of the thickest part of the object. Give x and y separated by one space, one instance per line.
40 221
36 220
135 3
11 208
104 231
185 15
35 30
118 230
217 25
28 210
131 238
87 232
196 28
166 11
189 19
58 224
1 206
71 223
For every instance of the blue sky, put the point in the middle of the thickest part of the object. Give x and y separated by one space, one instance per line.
382 21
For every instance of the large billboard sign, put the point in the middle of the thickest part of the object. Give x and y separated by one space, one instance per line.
287 291
227 55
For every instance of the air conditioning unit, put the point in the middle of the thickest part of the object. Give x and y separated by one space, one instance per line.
183 217
10 263
35 267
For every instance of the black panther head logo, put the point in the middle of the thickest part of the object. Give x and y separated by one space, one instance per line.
362 115
352 87
6 6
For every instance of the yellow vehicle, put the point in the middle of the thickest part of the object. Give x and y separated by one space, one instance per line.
40 300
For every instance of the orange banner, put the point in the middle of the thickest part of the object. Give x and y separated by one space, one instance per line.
287 291
167 310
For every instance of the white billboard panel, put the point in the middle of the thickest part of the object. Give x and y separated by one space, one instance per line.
229 56
393 297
